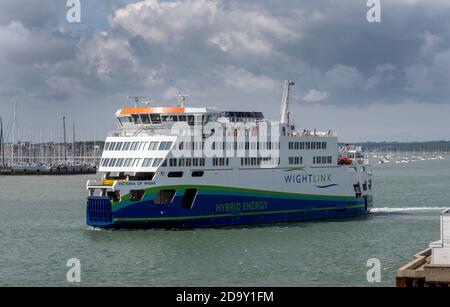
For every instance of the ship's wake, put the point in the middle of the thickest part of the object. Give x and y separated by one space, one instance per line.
406 209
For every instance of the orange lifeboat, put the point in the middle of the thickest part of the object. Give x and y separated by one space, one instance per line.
345 161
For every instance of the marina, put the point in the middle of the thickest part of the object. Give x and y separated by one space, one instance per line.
47 158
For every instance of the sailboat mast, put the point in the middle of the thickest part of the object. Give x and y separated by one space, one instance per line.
2 146
65 142
13 141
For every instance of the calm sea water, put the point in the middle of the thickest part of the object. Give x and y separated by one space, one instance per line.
43 225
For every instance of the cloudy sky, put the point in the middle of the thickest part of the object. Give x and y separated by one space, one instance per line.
368 81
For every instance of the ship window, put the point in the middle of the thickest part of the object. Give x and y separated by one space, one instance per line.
189 198
127 162
182 118
164 164
165 145
181 162
153 145
188 162
136 119
142 177
126 146
197 174
106 145
136 195
143 145
164 197
105 162
173 118
164 118
118 146
112 162
136 162
145 119
120 162
147 162
156 162
156 118
172 162
191 120
175 174
134 145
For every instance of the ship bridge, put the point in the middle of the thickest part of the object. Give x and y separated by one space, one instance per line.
162 116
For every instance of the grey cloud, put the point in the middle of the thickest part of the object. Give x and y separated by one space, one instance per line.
234 53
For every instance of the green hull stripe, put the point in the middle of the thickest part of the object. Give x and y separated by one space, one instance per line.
250 192
184 218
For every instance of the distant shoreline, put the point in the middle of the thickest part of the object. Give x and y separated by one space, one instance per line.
442 146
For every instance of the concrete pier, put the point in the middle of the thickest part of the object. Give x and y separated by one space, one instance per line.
431 267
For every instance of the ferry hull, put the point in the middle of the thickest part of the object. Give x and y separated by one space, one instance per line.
219 209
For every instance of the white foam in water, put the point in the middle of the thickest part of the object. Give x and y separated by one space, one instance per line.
406 209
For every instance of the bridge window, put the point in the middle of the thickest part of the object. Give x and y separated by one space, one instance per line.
156 118
164 197
191 120
136 119
145 118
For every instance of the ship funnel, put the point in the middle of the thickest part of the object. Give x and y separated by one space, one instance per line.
285 102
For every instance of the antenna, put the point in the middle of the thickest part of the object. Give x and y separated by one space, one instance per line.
136 99
181 98
285 102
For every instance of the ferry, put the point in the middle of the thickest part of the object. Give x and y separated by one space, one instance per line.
185 167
